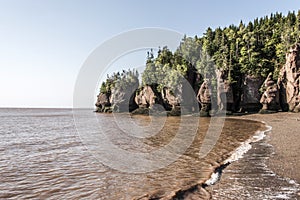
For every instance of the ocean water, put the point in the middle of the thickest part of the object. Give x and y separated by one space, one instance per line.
62 154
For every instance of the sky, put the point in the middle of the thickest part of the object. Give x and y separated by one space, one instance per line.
44 43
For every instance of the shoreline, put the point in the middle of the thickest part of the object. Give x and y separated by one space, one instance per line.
236 155
284 162
203 188
269 169
285 138
277 163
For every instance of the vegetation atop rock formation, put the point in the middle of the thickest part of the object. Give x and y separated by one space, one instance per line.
237 58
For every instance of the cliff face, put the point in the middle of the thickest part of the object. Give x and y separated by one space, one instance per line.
122 99
289 81
119 99
244 97
149 99
250 95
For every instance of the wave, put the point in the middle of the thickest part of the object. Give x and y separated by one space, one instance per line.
238 154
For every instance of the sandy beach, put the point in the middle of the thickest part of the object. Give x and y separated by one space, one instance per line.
270 169
285 138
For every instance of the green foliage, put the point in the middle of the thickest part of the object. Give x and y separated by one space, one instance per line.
257 48
205 65
103 88
166 70
120 80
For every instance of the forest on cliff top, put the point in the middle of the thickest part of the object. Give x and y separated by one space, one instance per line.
256 49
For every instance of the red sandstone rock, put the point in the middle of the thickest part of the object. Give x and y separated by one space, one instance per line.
289 80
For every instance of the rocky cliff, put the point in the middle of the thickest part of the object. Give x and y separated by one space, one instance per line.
251 94
289 81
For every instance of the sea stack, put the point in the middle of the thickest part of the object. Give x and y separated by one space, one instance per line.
204 98
289 82
270 97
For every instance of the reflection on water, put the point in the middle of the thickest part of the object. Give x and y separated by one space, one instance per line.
42 156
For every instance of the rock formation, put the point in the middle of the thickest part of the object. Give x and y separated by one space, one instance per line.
170 101
289 80
145 97
250 96
270 97
122 98
225 92
204 98
103 103
243 95
154 102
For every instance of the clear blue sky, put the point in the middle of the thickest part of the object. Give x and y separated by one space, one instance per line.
44 43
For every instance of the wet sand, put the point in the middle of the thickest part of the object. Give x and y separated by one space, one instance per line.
285 138
270 169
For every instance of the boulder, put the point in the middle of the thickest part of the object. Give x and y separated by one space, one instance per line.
176 111
141 111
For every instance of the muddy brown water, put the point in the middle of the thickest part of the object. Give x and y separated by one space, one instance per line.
42 155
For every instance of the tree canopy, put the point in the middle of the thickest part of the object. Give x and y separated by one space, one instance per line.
119 80
255 48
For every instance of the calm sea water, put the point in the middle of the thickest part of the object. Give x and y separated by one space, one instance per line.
44 154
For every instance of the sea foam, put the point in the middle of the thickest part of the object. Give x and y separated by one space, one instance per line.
238 154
